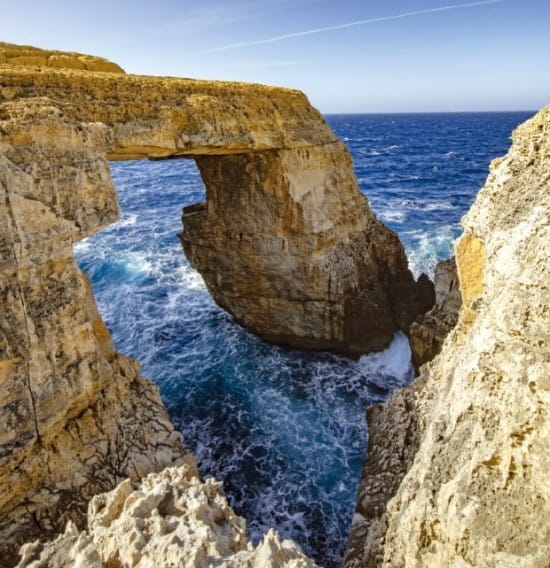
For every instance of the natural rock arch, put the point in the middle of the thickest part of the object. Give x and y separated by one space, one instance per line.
287 243
322 272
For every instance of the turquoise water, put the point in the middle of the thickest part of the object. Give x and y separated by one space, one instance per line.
284 430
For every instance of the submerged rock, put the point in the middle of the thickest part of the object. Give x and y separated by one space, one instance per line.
457 472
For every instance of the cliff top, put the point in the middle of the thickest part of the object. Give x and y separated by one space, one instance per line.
25 55
194 116
29 60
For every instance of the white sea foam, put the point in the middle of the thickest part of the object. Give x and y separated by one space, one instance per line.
429 248
82 246
392 215
126 220
420 205
438 206
190 278
138 262
392 362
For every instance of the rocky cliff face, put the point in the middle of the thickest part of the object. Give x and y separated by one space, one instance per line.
76 416
170 519
457 473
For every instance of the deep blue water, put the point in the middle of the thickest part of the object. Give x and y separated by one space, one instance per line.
284 430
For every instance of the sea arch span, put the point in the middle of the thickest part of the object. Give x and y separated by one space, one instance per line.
285 242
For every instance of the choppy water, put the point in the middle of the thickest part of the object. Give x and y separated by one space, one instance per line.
284 430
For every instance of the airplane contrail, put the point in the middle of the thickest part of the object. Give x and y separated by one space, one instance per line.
351 24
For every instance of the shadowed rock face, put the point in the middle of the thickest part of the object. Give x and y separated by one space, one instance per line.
457 471
286 242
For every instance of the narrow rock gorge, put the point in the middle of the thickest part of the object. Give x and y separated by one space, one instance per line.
458 462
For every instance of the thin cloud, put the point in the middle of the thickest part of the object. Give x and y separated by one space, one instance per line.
351 24
210 14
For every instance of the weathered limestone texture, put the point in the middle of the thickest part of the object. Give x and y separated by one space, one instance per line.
427 333
170 519
470 439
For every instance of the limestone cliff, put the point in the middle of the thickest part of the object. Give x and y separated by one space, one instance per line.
170 519
457 473
76 417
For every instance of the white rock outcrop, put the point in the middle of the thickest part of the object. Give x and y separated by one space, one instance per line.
171 519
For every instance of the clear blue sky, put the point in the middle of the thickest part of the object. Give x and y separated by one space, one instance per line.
491 56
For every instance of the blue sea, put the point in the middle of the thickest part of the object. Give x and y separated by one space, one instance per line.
284 430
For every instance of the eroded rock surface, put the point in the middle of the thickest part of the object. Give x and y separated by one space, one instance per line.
170 519
427 333
470 438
